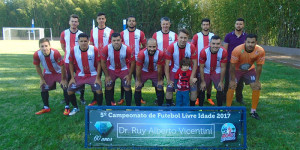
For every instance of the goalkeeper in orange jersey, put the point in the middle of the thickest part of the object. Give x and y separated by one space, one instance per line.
242 67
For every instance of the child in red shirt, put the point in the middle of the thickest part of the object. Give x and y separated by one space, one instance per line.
182 83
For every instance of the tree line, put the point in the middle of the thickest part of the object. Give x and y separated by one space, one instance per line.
276 22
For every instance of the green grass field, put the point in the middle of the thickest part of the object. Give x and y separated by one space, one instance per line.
279 107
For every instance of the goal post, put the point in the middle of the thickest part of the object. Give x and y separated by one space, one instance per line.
24 33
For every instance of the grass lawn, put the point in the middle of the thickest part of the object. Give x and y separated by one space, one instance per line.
279 107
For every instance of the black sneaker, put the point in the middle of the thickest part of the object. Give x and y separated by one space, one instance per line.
255 115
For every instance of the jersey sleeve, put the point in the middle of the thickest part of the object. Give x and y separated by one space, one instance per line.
104 53
130 54
140 58
176 37
62 38
143 39
169 52
226 39
36 59
202 57
122 37
92 37
224 56
58 58
111 32
195 40
235 56
193 52
154 36
161 60
261 57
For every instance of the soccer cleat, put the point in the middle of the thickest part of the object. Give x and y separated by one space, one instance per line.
121 101
197 102
210 101
113 103
43 111
74 111
67 111
254 115
93 103
83 102
143 102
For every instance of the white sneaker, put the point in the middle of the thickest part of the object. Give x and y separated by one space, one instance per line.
74 111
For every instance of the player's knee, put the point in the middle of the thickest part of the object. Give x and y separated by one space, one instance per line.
160 87
108 88
127 88
99 92
194 95
169 95
71 92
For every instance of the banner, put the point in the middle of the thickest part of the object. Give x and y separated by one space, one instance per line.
163 127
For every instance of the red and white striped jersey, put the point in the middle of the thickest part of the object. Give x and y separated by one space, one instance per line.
164 39
117 60
134 39
85 62
51 63
101 37
200 41
149 63
213 61
69 39
176 54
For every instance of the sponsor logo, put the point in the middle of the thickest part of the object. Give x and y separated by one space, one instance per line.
228 131
103 127
136 37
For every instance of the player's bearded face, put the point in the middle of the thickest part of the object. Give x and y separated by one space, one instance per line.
45 48
205 26
239 25
215 45
165 26
131 22
182 39
83 43
73 23
116 42
250 44
151 47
